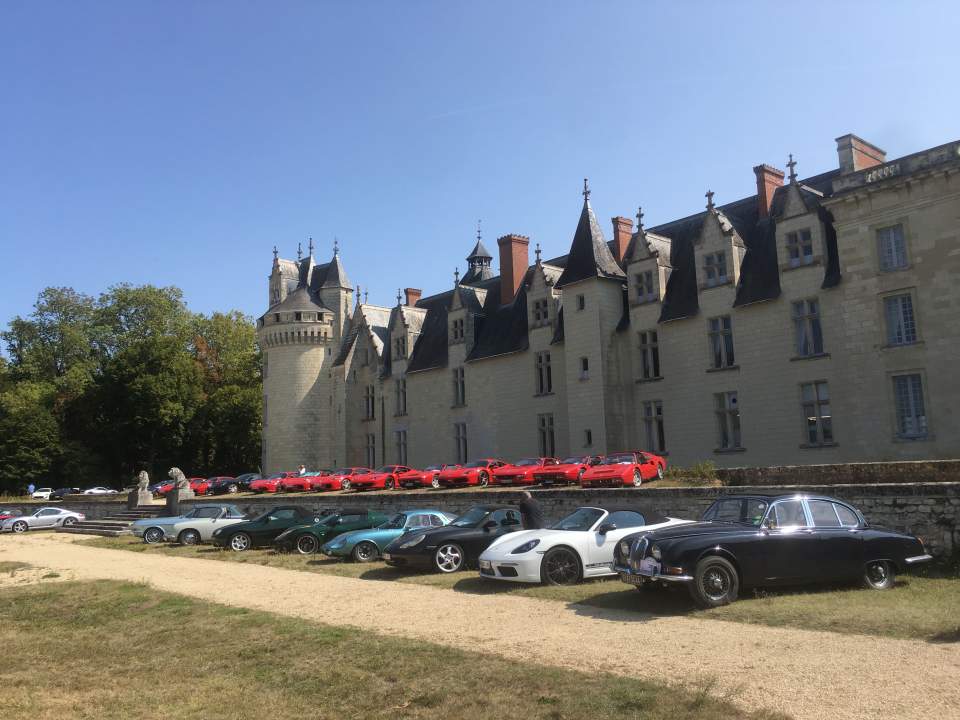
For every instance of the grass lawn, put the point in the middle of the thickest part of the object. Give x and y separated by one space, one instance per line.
11 566
143 653
922 606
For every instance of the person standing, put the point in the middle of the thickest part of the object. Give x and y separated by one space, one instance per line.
530 511
30 489
303 470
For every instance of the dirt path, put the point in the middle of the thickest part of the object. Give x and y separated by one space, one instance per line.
802 673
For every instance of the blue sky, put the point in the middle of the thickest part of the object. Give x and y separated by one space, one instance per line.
178 142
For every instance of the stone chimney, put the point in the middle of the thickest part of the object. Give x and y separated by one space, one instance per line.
514 259
622 231
857 154
413 295
768 180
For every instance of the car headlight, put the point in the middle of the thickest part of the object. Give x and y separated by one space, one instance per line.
526 547
655 552
624 548
413 541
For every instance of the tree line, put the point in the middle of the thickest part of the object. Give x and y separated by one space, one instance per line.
93 390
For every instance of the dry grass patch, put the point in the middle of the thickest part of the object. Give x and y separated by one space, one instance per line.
153 654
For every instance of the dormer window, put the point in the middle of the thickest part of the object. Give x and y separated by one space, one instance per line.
800 248
715 269
646 289
457 329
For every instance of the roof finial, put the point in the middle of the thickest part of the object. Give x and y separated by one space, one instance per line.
358 295
586 190
336 246
299 251
537 251
478 230
792 164
709 197
310 246
456 276
276 252
398 297
366 296
639 218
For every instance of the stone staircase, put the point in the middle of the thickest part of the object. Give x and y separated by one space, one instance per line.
112 525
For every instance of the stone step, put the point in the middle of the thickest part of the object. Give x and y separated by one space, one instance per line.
73 529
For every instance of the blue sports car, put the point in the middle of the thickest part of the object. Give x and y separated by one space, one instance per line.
366 545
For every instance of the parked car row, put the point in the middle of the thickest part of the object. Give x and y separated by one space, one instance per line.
740 541
45 518
57 494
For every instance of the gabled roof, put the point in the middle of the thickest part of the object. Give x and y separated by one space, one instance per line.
589 255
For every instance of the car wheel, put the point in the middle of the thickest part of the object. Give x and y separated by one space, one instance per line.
879 575
435 482
189 537
560 566
388 484
233 488
307 545
637 479
344 484
365 552
240 542
580 476
483 479
152 536
20 526
659 472
449 558
715 582
68 521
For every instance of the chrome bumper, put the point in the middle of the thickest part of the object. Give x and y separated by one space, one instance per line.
631 578
918 559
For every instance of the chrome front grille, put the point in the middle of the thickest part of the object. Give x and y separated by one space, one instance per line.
639 552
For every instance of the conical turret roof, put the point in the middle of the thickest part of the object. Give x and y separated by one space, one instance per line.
590 255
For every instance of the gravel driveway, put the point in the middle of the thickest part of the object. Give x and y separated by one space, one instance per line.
802 673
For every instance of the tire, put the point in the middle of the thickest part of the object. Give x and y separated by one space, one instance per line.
879 575
344 484
388 484
307 544
483 479
365 552
580 476
449 558
659 472
435 482
560 566
189 537
152 535
233 489
20 526
240 542
637 478
68 521
715 582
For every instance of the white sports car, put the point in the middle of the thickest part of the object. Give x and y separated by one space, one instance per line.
44 518
195 527
579 546
99 491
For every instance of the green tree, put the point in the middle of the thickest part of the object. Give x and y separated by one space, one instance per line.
29 435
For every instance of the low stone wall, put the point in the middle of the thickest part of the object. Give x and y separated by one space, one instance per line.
930 510
921 471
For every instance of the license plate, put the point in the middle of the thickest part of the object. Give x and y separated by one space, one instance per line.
649 566
631 579
386 556
486 565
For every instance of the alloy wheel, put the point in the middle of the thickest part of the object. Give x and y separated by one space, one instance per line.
68 521
449 558
240 542
659 472
153 535
307 544
637 480
189 537
483 479
344 484
879 575
232 488
561 567
20 527
435 482
365 552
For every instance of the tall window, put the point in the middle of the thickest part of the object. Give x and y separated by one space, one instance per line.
545 434
721 342
646 290
581 302
401 438
892 248
715 268
908 399
400 347
541 312
806 325
584 368
544 375
818 423
371 450
459 387
401 390
460 441
653 426
365 357
369 403
901 323
587 438
458 333
649 354
266 364
799 248
728 420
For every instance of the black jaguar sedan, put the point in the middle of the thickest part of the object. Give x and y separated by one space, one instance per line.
457 545
762 540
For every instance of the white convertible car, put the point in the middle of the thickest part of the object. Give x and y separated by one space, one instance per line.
195 527
579 546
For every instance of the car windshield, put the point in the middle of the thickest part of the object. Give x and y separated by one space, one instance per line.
620 459
746 511
527 461
434 467
476 464
397 521
340 471
386 469
571 461
278 476
580 520
471 518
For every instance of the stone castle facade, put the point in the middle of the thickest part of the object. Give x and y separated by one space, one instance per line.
814 322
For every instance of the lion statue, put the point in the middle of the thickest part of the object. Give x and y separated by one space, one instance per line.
143 480
179 479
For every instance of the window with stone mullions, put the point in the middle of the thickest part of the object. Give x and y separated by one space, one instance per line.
371 450
649 354
401 438
807 329
653 426
818 422
728 420
901 323
721 342
544 376
458 333
800 248
715 269
369 402
546 435
460 441
911 413
646 291
541 312
400 347
892 248
401 390
459 387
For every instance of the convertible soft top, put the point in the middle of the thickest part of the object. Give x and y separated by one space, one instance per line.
651 516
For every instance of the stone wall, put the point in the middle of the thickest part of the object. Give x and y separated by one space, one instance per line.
930 510
921 471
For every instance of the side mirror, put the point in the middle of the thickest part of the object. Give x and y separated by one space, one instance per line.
489 525
606 527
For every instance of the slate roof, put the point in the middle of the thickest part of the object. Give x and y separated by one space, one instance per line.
301 299
590 255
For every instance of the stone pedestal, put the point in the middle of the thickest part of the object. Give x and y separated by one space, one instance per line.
144 497
187 494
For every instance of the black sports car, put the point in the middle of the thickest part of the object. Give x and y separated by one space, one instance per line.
457 545
231 485
264 528
761 540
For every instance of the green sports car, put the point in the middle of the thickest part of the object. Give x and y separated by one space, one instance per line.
306 539
366 545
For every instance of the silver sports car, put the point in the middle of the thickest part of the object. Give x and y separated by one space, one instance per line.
44 518
195 527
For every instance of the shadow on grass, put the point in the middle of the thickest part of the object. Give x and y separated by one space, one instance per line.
950 636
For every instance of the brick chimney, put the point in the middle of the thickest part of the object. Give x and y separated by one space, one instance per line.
413 295
514 260
768 180
622 231
857 154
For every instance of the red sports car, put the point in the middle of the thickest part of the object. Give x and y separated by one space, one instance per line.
521 472
201 486
569 471
428 477
624 468
477 472
271 484
341 478
301 483
383 478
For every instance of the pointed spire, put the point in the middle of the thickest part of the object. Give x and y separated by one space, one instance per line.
336 246
589 255
586 190
310 246
709 195
639 218
299 251
276 253
792 164
536 251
